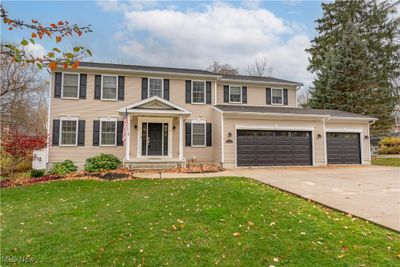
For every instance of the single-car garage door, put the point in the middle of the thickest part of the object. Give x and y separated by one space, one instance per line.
273 148
343 148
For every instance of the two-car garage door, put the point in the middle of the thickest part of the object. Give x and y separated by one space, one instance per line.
293 148
273 148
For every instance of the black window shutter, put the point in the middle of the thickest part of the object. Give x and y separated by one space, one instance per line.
268 95
208 92
57 84
144 88
188 92
188 134
120 127
208 134
285 96
166 89
56 132
226 93
81 133
121 87
82 86
96 132
97 87
244 94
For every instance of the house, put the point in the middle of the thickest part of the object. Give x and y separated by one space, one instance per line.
179 115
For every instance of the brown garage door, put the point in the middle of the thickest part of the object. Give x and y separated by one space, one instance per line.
273 148
343 148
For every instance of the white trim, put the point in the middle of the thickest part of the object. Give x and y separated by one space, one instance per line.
198 121
277 104
49 119
260 82
215 93
325 142
116 88
275 114
275 128
128 140
108 119
346 130
222 139
369 140
154 98
148 86
204 92
142 120
241 94
62 85
180 138
76 130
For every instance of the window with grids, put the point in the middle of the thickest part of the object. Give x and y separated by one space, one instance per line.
109 87
235 94
277 96
108 132
155 87
69 132
70 85
198 92
198 134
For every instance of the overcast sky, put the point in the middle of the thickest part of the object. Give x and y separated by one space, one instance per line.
184 34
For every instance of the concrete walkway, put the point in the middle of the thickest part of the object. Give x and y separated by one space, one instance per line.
369 192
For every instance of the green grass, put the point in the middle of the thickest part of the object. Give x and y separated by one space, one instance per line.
386 161
183 222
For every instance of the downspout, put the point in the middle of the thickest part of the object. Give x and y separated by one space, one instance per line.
369 138
48 122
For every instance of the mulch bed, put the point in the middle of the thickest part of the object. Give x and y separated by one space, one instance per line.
109 175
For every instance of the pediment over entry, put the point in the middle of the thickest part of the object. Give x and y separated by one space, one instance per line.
155 105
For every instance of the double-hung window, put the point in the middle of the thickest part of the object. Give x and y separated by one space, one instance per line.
108 132
198 134
70 88
155 87
198 92
277 96
235 94
109 88
69 132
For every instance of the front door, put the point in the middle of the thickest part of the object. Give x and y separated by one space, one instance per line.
154 139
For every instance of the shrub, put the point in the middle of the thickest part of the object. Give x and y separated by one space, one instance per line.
102 162
63 168
389 145
37 173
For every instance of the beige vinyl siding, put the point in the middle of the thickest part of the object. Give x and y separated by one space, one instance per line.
256 94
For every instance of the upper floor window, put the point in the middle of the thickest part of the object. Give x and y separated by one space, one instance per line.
155 87
198 134
235 94
277 96
108 132
198 92
109 88
69 132
70 88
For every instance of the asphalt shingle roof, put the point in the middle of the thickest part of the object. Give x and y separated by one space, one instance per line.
289 110
258 79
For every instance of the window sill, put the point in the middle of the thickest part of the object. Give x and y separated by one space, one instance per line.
194 103
105 99
70 98
68 145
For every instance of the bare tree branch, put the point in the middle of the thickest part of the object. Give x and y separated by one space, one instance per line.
223 68
260 68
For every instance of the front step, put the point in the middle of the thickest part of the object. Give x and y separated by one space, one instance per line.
153 164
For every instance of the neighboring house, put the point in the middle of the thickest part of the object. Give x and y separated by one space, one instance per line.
180 115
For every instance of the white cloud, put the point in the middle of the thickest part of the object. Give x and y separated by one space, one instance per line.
219 31
36 50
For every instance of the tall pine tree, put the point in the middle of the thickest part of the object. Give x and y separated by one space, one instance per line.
356 59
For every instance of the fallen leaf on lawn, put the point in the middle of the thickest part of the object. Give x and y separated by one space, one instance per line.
273 223
276 259
141 251
179 221
345 247
174 227
236 234
302 233
250 223
340 256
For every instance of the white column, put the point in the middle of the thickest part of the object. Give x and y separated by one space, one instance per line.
180 137
128 140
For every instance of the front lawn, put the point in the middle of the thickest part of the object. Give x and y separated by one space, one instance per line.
386 161
183 222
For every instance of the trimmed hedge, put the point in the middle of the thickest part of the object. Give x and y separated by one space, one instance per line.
63 168
37 173
389 145
102 162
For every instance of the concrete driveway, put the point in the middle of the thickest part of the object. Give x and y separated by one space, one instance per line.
369 192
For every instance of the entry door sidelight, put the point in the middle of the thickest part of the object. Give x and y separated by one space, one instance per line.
154 139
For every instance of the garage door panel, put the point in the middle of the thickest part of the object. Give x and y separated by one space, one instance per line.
343 148
273 148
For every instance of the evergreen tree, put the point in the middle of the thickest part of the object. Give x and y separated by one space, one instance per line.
356 59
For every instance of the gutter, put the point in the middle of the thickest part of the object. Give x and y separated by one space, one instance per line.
259 82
